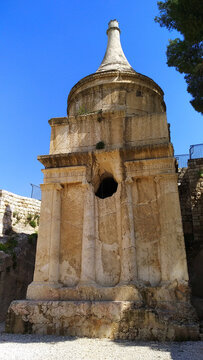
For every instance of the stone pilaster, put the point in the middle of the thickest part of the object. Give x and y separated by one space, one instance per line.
128 251
55 234
88 238
172 248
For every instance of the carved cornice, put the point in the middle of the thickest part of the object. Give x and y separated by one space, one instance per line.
58 121
126 154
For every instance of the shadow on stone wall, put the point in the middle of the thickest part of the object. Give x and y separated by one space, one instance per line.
17 260
191 202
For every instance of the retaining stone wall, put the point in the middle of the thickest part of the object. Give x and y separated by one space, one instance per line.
15 213
191 202
195 174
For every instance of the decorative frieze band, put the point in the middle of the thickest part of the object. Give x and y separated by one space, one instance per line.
139 168
67 175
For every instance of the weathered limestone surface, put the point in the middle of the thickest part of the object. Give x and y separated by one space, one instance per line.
115 129
109 319
114 57
110 256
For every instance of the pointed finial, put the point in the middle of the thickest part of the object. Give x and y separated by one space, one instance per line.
114 58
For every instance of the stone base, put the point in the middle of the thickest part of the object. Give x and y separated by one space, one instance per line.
101 319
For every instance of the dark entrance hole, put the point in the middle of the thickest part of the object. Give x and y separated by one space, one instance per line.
107 188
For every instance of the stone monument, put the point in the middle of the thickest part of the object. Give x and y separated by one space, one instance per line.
110 256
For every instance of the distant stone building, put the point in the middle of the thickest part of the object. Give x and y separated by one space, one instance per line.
110 257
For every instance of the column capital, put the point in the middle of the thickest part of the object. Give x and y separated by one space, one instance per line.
129 180
51 186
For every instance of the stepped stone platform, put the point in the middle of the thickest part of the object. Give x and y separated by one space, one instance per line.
159 313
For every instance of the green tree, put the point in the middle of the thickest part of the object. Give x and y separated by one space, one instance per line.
186 54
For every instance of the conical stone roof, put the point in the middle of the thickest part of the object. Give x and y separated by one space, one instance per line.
114 58
115 85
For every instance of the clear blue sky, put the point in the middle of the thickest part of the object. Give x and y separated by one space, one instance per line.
46 46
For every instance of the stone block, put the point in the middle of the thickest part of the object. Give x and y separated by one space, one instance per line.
97 319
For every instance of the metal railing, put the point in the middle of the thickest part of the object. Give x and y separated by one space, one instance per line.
36 192
182 160
196 151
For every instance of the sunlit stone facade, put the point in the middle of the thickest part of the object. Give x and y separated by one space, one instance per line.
110 257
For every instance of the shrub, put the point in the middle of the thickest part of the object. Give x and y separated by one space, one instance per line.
32 220
17 216
82 110
9 245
